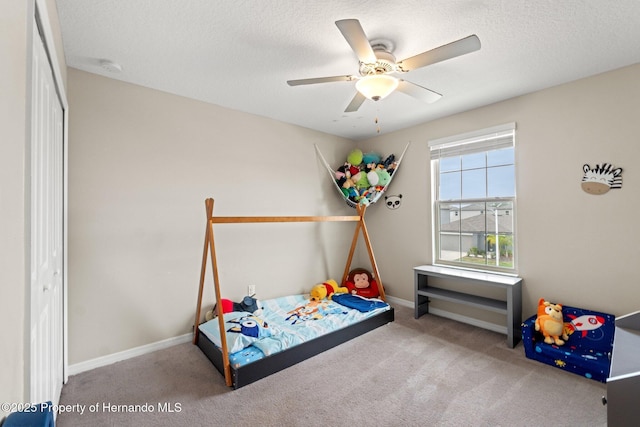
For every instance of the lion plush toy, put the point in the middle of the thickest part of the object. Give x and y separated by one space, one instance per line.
326 290
550 322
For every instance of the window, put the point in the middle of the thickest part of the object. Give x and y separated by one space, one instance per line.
474 197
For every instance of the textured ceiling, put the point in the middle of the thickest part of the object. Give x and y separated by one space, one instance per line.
239 54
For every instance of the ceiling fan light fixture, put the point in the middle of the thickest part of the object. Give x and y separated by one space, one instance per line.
376 86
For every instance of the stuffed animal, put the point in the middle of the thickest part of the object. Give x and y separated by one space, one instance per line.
351 180
341 175
355 157
362 181
248 304
350 193
383 177
361 282
370 167
550 322
326 290
371 157
373 178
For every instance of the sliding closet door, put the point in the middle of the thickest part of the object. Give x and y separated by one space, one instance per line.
47 329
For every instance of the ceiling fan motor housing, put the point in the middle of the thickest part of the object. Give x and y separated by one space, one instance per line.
385 64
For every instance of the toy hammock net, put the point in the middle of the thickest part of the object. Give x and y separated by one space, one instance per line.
364 183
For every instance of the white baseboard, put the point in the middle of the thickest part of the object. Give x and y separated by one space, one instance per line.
453 316
149 348
399 301
127 354
468 320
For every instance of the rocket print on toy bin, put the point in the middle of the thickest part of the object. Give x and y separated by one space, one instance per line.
584 323
601 178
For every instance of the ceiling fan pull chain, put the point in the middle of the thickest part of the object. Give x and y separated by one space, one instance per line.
376 120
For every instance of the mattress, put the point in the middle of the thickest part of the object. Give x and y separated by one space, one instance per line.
286 322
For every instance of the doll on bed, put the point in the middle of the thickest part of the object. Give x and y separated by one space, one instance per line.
361 282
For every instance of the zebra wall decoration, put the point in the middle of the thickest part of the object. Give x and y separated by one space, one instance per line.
601 178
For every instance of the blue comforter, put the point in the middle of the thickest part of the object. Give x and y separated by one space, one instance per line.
288 321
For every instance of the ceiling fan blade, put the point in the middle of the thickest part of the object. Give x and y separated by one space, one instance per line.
355 103
460 47
357 39
418 92
321 80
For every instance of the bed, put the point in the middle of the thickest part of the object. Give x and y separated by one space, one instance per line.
246 347
289 330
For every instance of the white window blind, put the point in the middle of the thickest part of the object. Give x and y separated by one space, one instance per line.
493 138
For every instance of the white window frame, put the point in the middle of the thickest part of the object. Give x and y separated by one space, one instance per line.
487 139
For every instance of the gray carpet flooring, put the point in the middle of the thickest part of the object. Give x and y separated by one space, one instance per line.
426 372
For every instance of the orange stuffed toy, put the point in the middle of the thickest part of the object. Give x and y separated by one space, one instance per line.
550 322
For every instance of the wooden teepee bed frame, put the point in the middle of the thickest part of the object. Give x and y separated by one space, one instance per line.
241 376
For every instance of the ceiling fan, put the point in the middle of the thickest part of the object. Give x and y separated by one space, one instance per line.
377 64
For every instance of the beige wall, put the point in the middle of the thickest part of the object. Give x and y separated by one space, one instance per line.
574 248
13 69
141 164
